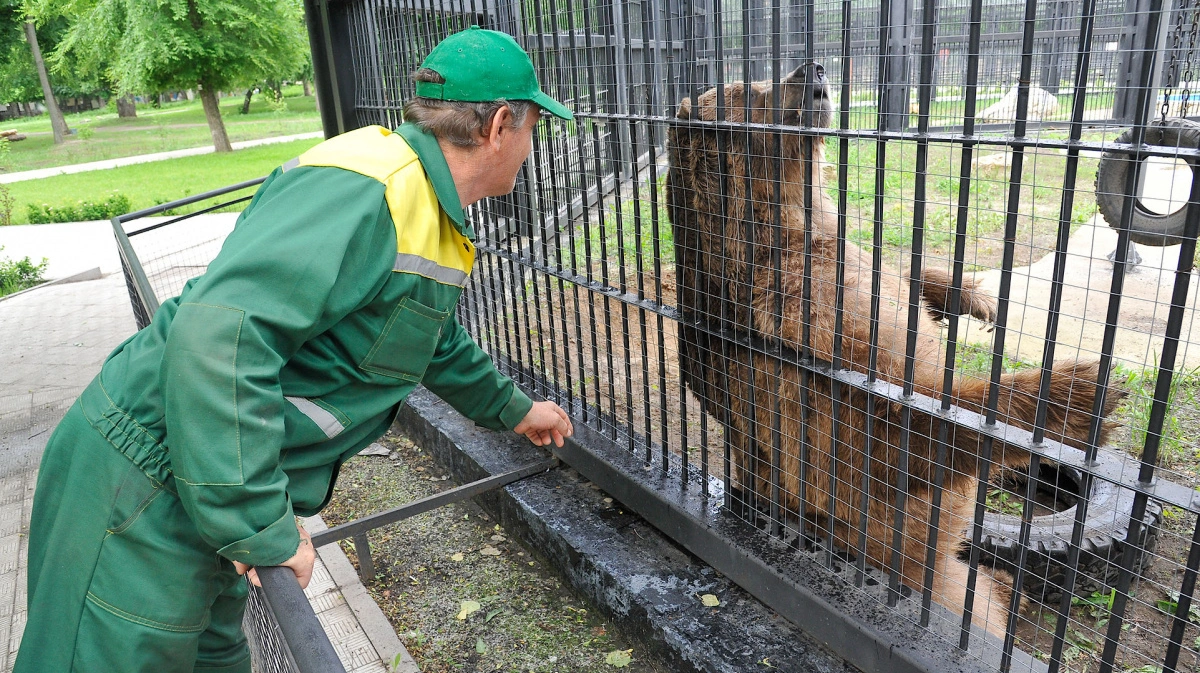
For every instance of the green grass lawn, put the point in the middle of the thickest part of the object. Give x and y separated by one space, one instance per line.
156 182
102 135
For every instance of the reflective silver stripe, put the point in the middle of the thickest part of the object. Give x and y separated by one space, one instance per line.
290 164
328 423
429 269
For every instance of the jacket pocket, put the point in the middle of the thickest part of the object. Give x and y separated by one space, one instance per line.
408 342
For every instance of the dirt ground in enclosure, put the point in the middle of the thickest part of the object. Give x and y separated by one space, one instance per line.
428 566
1146 628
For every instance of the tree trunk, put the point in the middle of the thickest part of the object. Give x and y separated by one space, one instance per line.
57 123
212 114
307 88
246 101
126 107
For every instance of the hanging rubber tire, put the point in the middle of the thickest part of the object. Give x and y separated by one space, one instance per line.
1104 533
1148 227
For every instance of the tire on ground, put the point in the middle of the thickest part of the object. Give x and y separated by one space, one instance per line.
1104 533
1147 228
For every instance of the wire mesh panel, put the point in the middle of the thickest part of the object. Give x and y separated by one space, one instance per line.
885 304
882 302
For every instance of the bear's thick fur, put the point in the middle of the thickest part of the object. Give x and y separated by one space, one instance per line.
726 261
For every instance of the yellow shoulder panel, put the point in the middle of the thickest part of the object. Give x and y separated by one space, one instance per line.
422 230
372 151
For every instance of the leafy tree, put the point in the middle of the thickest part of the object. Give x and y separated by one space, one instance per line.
16 26
165 45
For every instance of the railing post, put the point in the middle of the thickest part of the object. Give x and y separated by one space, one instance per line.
366 567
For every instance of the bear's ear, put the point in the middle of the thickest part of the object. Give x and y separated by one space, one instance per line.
685 109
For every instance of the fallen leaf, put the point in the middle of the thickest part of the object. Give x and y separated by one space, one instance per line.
498 538
619 658
480 646
710 601
489 551
467 608
457 557
491 614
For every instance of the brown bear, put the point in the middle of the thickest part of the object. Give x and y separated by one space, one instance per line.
739 274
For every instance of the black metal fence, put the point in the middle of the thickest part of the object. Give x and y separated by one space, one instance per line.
853 341
748 308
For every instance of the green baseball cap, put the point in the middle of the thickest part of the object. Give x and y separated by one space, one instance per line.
485 65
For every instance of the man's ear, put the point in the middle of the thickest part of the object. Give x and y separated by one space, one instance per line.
501 124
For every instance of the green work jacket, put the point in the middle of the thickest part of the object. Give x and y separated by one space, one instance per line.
329 302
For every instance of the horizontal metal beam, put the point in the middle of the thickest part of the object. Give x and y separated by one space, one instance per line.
464 492
1121 471
154 210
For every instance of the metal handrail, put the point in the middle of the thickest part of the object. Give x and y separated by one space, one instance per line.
358 528
308 646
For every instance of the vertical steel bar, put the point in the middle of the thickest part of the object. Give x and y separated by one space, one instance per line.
366 567
929 18
1183 607
649 35
1082 70
629 136
776 116
843 174
1144 100
548 216
806 297
597 151
1158 411
1001 330
745 298
876 281
567 226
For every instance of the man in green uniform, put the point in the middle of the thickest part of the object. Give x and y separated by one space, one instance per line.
184 463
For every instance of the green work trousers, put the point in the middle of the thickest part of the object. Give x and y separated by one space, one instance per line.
119 578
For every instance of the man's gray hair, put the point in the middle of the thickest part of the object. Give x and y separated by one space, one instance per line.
459 122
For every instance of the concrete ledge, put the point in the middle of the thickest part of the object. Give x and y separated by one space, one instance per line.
645 583
372 620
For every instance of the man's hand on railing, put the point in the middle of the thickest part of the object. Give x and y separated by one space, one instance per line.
301 563
546 422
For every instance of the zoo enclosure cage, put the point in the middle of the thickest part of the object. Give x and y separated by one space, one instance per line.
576 291
587 232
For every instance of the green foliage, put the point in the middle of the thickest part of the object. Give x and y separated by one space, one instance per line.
973 360
1170 605
179 44
1004 502
628 229
80 211
1098 606
17 275
18 76
7 202
1174 442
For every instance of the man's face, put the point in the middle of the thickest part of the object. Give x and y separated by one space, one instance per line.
511 147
